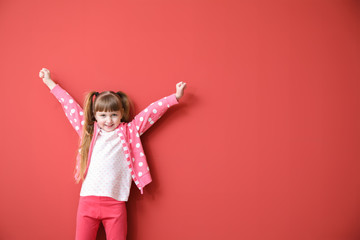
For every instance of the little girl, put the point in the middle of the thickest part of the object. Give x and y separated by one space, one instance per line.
110 154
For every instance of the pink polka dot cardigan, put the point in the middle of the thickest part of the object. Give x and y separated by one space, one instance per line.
129 133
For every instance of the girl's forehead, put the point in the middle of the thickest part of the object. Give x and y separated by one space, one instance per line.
104 112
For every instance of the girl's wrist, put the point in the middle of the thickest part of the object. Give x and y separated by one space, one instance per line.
50 83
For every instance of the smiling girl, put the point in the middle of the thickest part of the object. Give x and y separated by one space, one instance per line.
110 156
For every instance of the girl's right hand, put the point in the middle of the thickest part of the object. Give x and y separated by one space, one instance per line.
45 75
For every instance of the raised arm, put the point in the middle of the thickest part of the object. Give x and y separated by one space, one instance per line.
146 118
72 109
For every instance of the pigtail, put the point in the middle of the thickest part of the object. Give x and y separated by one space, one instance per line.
125 101
87 133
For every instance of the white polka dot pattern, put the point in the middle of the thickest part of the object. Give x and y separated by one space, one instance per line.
72 110
152 113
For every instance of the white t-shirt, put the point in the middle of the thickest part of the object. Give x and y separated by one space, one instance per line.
108 174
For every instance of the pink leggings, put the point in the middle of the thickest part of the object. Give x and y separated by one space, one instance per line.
92 210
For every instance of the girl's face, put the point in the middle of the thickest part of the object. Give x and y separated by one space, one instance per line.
108 121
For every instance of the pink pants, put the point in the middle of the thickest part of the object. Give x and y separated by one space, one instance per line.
92 210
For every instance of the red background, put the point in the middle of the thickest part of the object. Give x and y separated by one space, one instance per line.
264 144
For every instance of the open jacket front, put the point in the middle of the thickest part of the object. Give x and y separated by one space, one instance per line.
129 133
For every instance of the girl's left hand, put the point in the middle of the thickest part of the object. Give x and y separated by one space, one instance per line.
180 86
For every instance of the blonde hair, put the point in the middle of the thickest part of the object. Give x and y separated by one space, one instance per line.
107 101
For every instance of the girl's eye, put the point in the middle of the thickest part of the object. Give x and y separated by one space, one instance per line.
114 115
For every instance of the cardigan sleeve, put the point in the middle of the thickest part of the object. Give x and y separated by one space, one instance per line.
146 118
72 109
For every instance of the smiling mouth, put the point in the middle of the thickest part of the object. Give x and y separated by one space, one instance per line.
109 125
